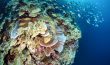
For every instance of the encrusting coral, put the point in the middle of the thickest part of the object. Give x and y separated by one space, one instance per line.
34 36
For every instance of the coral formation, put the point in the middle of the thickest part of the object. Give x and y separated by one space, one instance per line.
33 34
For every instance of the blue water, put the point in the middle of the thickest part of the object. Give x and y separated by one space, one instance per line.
94 46
95 42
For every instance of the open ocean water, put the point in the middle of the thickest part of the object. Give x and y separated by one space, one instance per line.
94 22
95 42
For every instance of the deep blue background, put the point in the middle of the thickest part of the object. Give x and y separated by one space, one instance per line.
95 42
94 47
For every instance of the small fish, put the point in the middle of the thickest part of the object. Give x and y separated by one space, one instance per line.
79 15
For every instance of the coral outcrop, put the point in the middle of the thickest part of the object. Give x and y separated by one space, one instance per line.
34 35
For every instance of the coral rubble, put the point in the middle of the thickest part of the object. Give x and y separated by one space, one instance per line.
33 34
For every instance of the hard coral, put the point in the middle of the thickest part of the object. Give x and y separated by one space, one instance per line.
37 35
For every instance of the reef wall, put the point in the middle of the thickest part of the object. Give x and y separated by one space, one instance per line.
32 32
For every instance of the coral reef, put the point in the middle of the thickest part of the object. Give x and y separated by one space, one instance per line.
33 34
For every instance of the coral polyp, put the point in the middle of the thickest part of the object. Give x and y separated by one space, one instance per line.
32 34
